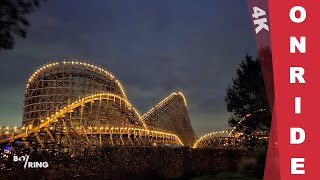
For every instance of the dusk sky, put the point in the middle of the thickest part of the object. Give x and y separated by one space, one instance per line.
153 47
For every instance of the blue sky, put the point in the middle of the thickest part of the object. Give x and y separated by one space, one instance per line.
153 46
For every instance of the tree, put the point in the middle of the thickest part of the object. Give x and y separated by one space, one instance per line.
247 95
13 21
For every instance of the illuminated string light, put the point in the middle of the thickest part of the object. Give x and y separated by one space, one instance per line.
163 102
229 132
68 108
46 121
87 65
244 118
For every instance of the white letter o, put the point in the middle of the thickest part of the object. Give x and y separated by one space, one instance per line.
303 14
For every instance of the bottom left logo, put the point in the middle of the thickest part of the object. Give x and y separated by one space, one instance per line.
28 164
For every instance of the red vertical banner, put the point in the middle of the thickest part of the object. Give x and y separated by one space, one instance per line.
259 13
296 61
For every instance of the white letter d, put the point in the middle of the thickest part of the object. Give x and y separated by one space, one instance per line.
293 135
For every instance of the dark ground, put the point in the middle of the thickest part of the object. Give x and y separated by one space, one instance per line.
144 163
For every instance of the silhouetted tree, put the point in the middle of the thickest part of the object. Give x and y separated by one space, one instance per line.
13 20
247 95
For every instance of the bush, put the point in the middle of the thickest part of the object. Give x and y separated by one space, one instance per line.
142 163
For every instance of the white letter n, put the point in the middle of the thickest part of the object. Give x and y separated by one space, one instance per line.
294 43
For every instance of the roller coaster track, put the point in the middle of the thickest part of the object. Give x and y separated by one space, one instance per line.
234 129
88 66
229 138
160 105
60 128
